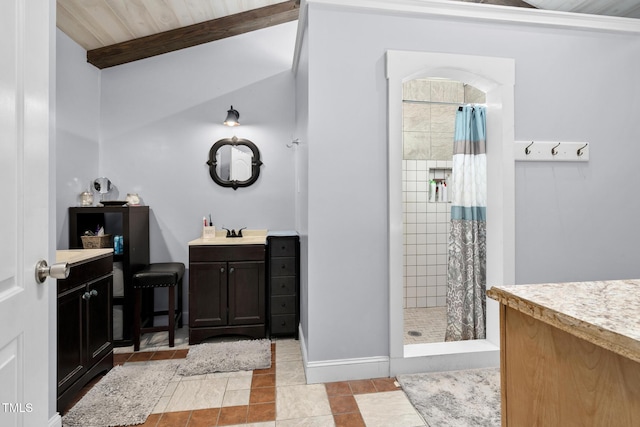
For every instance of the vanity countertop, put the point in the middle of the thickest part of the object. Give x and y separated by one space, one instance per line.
249 237
78 256
605 313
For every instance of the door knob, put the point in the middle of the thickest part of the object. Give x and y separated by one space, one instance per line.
57 271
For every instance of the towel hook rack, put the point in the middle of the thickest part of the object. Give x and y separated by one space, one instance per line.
526 150
580 151
554 150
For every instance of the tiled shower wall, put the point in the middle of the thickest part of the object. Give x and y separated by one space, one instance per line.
429 110
426 229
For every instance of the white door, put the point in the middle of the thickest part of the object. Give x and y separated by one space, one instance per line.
25 31
240 165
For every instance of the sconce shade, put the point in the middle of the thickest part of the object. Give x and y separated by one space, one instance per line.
232 117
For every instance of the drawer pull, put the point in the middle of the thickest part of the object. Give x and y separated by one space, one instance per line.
283 324
283 305
283 266
283 286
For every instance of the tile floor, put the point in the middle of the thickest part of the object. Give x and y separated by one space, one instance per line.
274 397
430 322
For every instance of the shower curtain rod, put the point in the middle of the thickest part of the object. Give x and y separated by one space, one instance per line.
441 102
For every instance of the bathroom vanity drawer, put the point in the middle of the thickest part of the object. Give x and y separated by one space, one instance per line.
283 285
283 304
283 266
285 246
283 324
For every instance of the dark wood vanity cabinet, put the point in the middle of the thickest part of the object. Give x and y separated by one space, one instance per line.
84 326
283 254
226 291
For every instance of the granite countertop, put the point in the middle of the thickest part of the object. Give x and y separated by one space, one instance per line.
605 313
78 256
249 237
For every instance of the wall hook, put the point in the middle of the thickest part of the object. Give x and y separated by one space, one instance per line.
580 151
554 150
295 141
526 150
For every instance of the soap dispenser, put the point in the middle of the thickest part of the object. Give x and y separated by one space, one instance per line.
432 191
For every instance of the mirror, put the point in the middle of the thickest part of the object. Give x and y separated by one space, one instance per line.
102 186
234 162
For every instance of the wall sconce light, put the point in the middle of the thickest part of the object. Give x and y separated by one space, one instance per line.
232 117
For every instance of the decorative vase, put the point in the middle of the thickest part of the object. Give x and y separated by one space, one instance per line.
86 198
133 199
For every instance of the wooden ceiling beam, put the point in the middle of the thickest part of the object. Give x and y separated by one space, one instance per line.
193 35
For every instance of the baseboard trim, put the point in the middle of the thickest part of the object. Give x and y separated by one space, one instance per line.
55 421
326 371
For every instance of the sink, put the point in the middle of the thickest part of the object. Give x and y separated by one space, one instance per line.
249 237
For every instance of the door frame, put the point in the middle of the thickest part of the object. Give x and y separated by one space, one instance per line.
496 77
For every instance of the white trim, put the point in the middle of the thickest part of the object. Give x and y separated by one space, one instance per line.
496 77
473 11
347 369
326 371
55 421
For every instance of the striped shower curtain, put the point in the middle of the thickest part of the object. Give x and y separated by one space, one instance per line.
466 276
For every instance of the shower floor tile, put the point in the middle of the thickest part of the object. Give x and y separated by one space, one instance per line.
430 323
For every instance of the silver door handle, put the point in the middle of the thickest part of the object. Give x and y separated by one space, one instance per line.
56 271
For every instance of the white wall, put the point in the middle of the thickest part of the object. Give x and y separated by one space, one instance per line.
575 84
77 129
148 126
160 116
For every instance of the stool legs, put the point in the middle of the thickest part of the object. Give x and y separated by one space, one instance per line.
171 315
137 321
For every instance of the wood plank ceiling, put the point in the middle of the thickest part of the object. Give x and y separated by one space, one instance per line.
115 32
119 31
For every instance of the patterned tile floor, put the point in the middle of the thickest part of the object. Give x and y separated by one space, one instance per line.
430 322
274 397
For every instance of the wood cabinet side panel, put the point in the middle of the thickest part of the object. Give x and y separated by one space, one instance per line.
554 378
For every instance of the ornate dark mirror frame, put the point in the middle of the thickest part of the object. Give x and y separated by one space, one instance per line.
255 162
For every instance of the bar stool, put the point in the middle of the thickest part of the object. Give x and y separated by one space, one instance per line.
158 275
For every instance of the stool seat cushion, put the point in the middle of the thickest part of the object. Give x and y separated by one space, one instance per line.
159 275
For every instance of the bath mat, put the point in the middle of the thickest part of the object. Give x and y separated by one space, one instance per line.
457 398
125 396
227 357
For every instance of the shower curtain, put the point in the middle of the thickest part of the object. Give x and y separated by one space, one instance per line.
466 275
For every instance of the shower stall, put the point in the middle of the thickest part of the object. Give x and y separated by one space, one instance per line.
429 110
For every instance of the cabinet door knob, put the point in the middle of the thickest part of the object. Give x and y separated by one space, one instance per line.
221 269
283 305
86 296
93 293
231 270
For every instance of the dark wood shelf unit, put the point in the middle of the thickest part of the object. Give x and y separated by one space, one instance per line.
283 277
132 223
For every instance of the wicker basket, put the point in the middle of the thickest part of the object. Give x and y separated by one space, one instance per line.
96 242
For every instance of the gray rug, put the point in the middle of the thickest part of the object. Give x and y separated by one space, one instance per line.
469 398
227 357
125 396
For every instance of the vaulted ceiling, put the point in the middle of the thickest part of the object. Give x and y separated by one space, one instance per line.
119 31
